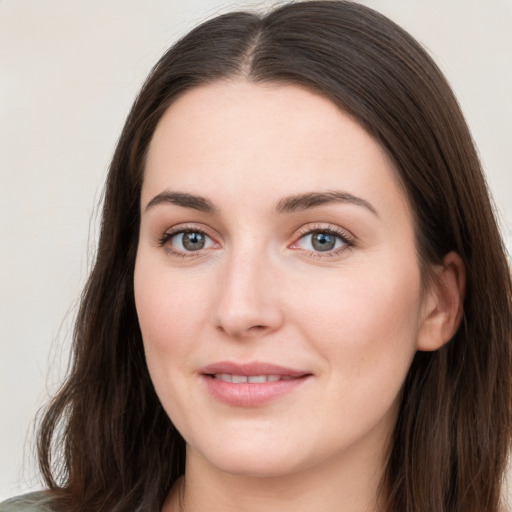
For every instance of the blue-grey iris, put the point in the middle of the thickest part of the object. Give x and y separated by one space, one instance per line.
193 241
323 241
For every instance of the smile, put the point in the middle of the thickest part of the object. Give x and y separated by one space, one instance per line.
252 384
251 379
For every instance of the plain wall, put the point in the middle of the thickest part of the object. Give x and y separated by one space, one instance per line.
69 71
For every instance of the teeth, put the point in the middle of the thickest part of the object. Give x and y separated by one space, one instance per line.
253 379
257 378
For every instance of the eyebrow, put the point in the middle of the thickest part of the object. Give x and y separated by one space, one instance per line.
287 204
182 199
312 199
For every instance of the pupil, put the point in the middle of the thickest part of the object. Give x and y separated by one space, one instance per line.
193 241
323 241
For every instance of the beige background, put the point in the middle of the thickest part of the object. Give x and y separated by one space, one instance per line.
69 70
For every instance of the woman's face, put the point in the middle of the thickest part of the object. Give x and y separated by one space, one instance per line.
277 283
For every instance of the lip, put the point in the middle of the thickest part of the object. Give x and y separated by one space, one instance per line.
251 394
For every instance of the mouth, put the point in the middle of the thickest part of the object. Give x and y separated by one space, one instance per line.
251 379
250 385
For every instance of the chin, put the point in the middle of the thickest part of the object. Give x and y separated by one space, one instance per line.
258 467
250 458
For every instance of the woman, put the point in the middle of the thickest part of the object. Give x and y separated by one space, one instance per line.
301 297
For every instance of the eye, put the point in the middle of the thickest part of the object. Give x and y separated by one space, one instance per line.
323 240
186 241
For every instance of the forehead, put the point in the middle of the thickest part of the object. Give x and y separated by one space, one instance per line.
237 137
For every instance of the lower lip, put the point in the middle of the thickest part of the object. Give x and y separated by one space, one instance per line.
251 394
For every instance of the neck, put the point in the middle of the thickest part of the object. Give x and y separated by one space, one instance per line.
351 484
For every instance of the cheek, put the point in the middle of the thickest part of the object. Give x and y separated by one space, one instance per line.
366 327
170 310
170 316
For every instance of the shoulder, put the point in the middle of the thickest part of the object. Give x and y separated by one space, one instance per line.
33 502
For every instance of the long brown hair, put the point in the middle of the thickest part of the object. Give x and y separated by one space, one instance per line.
105 442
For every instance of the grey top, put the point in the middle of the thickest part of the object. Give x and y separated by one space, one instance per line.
33 502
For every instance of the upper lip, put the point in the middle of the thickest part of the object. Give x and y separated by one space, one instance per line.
251 369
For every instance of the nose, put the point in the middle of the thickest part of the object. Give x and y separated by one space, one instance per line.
248 304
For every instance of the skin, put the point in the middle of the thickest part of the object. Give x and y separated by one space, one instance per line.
352 317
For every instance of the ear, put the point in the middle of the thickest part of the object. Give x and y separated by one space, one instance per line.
443 304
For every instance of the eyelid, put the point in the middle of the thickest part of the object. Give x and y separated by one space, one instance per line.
346 237
327 226
169 233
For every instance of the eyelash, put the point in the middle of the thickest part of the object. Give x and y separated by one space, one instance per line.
164 240
346 239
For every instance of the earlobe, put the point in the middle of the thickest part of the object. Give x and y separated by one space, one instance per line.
444 304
